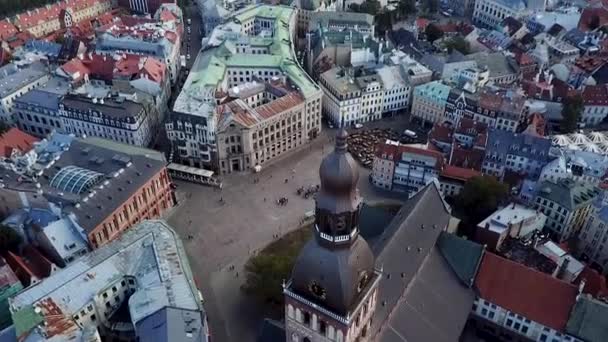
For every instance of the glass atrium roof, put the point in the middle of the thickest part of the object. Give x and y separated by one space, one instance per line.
75 179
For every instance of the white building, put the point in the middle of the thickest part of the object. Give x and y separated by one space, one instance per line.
491 13
515 221
515 302
397 90
341 97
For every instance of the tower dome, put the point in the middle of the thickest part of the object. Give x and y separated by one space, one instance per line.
334 268
339 172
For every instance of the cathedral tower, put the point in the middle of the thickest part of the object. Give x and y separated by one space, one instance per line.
332 292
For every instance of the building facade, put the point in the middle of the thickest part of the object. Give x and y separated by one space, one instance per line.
48 19
520 153
37 113
255 51
491 13
567 205
429 102
593 236
113 118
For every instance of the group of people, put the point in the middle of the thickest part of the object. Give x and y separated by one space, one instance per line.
282 201
308 192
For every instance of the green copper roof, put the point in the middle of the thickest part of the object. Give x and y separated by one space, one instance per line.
25 320
463 256
212 68
588 320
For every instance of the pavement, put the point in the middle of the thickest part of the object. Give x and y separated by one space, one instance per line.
225 235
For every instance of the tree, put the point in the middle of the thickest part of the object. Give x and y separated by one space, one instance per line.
433 32
571 113
4 127
431 6
458 43
405 7
265 273
9 239
384 22
479 198
369 6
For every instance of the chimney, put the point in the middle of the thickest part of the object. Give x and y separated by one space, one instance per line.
561 272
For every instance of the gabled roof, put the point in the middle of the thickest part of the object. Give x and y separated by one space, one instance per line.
418 283
524 291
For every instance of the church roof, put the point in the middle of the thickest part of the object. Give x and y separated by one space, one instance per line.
418 282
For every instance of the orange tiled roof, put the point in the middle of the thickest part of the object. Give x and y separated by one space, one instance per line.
525 291
15 139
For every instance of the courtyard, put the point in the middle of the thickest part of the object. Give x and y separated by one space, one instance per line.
221 229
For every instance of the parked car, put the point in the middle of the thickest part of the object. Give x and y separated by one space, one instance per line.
358 126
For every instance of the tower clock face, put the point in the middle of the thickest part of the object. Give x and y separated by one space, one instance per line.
317 290
363 278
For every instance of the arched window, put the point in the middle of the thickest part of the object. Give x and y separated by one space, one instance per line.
290 311
322 327
307 318
339 336
331 332
294 337
299 315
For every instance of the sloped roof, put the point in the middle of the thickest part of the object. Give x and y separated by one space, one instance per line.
525 291
589 320
413 295
462 255
15 139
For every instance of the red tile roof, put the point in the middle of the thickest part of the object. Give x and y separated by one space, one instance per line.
524 59
441 133
394 152
466 158
596 95
7 29
524 291
588 15
595 283
105 67
459 173
15 139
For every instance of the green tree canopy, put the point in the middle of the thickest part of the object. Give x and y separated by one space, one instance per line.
571 113
433 32
430 6
369 6
458 43
9 239
480 197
